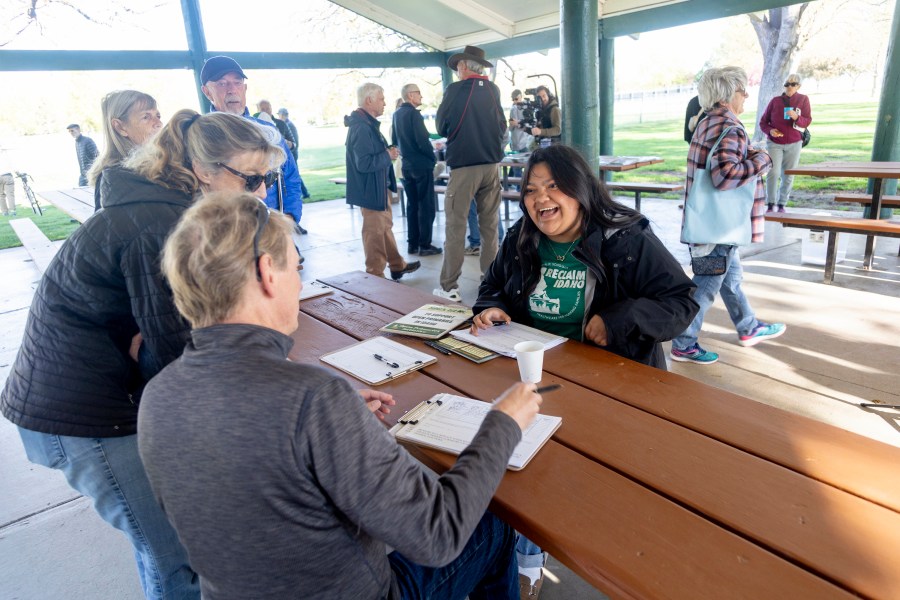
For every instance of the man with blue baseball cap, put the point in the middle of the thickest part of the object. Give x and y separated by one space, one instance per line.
224 84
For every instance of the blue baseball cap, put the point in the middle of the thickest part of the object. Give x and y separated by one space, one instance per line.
216 67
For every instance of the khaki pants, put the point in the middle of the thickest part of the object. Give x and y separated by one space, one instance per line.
7 193
379 244
481 182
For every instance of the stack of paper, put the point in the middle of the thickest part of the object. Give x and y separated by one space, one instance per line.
503 338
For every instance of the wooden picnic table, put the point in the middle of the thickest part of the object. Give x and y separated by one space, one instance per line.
877 171
607 163
655 485
78 202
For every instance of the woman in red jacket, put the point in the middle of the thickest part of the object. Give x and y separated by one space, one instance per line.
783 122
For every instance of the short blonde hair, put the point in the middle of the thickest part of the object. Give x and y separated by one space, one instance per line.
793 78
207 140
718 85
208 258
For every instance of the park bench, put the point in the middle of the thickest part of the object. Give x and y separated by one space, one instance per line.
639 188
78 202
38 245
866 200
834 226
400 192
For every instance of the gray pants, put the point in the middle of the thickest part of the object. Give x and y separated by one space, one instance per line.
481 182
7 193
784 156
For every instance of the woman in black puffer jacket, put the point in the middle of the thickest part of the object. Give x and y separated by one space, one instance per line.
103 322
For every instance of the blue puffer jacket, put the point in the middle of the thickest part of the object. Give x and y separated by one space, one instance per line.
73 375
369 168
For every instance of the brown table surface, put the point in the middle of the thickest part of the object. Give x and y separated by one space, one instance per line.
655 485
607 163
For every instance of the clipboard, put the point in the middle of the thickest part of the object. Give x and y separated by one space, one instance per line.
377 360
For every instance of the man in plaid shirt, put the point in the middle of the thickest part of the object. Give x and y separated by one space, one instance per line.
722 94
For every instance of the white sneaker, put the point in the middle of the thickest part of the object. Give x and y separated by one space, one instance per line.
451 295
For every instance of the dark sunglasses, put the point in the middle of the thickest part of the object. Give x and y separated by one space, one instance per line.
791 84
251 182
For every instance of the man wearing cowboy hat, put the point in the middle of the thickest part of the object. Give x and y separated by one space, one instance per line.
471 119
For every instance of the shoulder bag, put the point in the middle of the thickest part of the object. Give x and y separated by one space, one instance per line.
713 216
804 131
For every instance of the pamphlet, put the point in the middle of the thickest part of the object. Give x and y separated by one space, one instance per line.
430 321
311 289
449 423
503 338
377 360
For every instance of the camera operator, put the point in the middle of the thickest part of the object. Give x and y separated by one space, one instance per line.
550 119
519 139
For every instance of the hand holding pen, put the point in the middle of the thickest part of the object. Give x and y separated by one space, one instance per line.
490 317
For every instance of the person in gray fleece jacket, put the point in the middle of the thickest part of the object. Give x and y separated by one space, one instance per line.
277 476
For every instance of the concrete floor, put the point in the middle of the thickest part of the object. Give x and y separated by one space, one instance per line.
840 349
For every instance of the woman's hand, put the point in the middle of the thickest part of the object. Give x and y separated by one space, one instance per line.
520 402
596 331
535 131
487 318
378 402
776 134
135 347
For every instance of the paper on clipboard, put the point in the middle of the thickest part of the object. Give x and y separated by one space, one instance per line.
377 360
502 339
311 289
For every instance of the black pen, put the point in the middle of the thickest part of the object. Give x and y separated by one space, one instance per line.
547 388
386 361
438 347
498 323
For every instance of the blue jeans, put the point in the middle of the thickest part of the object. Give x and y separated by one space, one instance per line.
110 472
474 237
528 554
729 286
485 569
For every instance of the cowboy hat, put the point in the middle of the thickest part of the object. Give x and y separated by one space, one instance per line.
470 53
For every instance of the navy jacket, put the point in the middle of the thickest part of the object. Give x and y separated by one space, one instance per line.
72 375
370 170
410 135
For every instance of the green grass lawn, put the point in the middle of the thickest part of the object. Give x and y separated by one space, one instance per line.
839 132
55 224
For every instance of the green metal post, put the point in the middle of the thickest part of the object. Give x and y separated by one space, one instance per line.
886 144
607 95
196 39
578 90
446 73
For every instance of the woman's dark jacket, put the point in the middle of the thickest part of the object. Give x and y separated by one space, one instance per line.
641 292
73 375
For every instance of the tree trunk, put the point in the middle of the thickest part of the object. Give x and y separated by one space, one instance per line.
779 37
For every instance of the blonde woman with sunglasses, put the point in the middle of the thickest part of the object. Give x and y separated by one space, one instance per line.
103 322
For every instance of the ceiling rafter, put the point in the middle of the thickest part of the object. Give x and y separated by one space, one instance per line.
477 12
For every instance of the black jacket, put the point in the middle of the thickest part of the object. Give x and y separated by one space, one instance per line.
73 375
471 119
641 292
410 135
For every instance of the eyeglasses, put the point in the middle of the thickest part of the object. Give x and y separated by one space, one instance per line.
262 218
791 84
743 92
252 181
224 84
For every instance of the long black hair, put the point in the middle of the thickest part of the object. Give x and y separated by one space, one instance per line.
575 178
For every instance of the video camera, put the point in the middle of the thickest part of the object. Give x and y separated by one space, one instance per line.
531 110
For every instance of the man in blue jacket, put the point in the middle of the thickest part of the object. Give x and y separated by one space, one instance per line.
224 84
370 176
410 135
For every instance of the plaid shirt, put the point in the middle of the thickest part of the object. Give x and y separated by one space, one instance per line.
731 167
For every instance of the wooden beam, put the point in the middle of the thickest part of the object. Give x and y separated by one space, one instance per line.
480 14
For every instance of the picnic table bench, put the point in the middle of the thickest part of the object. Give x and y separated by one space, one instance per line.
866 200
78 202
658 486
835 226
639 188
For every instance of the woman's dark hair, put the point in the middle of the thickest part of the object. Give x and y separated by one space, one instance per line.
575 178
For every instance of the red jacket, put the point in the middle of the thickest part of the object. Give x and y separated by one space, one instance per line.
773 118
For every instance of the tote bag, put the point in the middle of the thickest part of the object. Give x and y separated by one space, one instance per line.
714 216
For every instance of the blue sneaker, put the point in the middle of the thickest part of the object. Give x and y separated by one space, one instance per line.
763 331
694 354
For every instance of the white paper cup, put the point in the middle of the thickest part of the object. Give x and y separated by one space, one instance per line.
530 356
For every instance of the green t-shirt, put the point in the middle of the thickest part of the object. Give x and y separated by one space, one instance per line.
557 304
